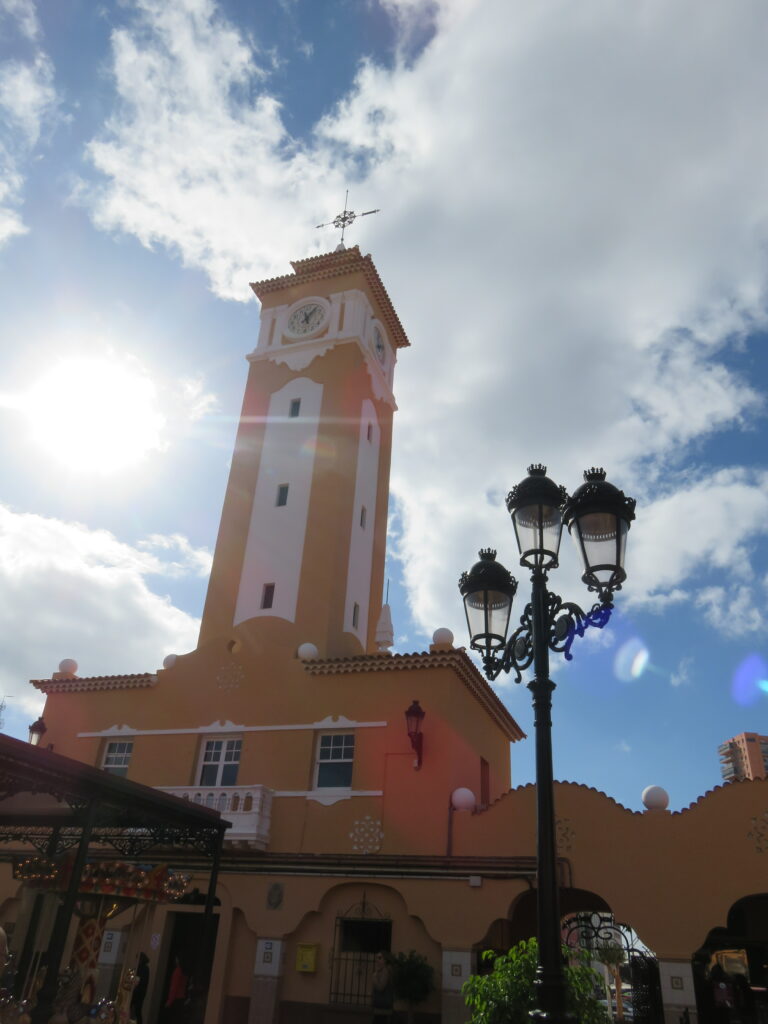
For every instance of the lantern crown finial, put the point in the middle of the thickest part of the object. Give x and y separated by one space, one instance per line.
487 574
537 469
597 494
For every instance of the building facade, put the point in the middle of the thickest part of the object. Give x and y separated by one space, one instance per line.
351 834
744 757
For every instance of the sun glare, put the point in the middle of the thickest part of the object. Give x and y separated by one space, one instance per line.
95 414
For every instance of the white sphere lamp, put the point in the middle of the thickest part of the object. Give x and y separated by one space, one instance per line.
463 799
308 652
443 635
655 798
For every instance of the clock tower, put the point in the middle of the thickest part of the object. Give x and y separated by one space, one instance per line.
301 545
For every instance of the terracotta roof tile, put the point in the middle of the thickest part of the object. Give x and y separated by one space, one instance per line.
79 684
455 659
334 264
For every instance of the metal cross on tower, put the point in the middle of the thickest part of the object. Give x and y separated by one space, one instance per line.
344 219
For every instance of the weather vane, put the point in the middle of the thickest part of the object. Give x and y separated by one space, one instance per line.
344 219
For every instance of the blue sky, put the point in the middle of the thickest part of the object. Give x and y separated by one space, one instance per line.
573 228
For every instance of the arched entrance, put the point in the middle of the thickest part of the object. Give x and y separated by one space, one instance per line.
730 968
361 931
633 984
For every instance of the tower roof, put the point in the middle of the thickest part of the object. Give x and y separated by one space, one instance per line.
338 264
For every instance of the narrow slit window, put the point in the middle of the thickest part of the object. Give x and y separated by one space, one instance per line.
268 595
363 516
370 432
293 412
355 615
282 494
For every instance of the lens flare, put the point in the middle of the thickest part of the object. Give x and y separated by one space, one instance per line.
631 660
750 680
320 449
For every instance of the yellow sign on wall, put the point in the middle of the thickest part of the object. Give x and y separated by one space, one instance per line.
306 957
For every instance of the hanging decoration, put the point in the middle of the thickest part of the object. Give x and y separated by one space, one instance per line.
144 882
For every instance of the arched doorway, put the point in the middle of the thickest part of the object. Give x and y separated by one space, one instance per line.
730 968
630 968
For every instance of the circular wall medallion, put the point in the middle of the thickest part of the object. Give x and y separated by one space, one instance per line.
366 835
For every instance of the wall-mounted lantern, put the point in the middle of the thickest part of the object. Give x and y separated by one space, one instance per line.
36 731
414 716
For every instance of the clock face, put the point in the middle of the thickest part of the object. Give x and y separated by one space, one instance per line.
378 345
306 318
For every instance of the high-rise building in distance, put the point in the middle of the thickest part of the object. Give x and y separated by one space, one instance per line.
744 757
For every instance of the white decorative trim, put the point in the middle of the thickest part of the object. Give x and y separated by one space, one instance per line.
297 356
360 560
276 534
221 727
328 796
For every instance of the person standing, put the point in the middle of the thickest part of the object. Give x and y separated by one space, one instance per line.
140 989
382 990
177 995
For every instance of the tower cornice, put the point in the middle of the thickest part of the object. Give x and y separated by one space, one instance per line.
338 264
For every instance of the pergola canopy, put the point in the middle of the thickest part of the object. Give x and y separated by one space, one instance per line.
48 800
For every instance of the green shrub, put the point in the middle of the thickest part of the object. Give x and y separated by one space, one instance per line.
412 977
507 994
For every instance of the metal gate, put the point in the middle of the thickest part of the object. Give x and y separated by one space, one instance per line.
605 938
361 932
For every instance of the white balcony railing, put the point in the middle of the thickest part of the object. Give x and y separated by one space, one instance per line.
249 808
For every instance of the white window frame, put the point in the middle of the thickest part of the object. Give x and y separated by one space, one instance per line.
111 750
320 747
227 745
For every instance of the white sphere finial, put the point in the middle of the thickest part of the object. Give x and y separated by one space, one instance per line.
463 799
307 652
655 798
443 635
169 660
68 665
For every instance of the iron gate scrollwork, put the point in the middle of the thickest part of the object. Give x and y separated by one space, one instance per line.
596 932
361 932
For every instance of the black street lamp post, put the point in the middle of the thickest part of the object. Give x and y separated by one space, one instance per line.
598 517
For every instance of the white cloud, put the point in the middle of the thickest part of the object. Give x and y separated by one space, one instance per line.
706 524
573 230
733 610
190 560
27 103
623 747
68 591
682 674
23 14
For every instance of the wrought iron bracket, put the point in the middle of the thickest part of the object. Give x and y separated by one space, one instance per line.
565 620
